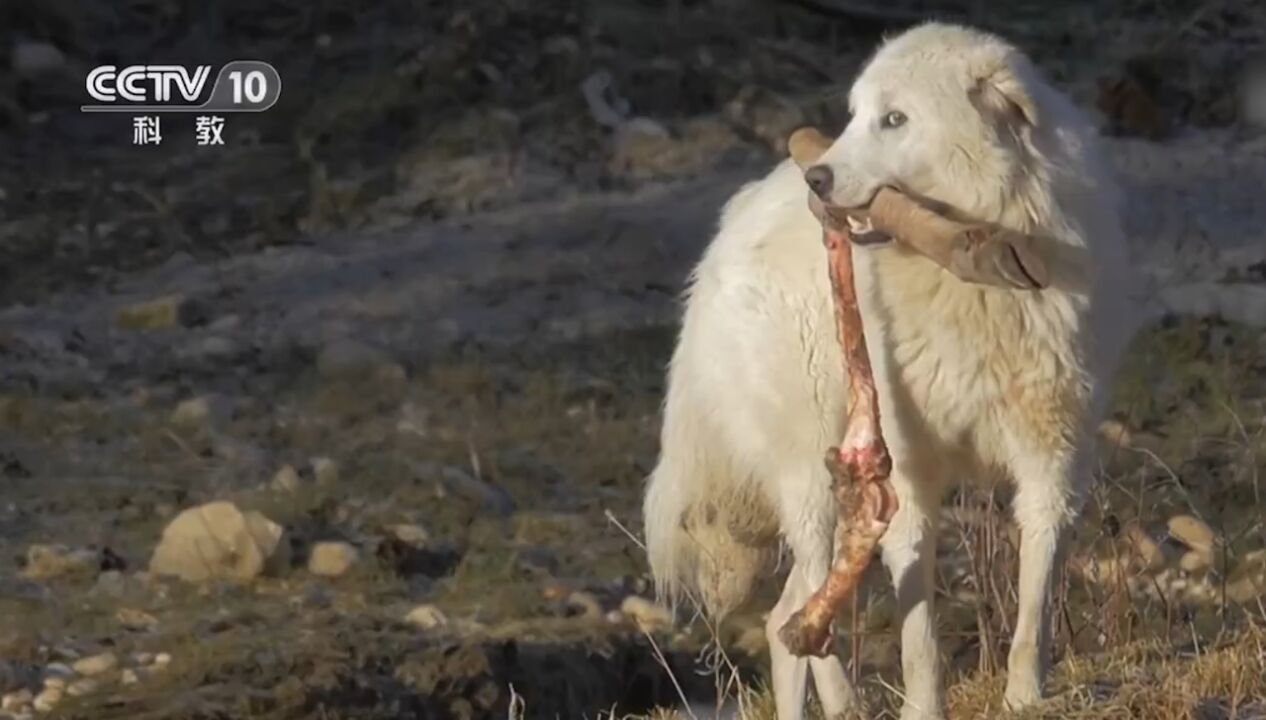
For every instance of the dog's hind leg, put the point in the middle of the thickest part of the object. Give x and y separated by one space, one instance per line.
1046 504
788 674
808 519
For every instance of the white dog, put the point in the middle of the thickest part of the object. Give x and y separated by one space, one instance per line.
974 381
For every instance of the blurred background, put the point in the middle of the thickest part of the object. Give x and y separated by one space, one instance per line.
390 360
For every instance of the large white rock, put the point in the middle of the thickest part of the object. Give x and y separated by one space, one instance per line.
219 541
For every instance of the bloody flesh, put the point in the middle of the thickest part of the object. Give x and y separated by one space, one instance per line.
859 470
859 466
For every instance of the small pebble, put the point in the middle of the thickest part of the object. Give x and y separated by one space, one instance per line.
129 677
16 700
83 686
162 660
1193 532
426 617
60 670
587 603
332 559
44 562
325 471
202 412
415 535
1194 561
47 700
143 658
96 664
133 619
287 480
647 615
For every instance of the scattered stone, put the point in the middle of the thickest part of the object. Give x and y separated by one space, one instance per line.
31 58
1199 537
118 585
47 699
648 616
213 347
1114 432
129 677
546 528
83 686
136 620
1145 547
555 592
202 412
325 471
159 313
162 660
541 561
641 151
287 480
44 562
57 670
408 559
427 617
415 535
414 420
347 358
225 323
332 559
239 452
16 700
491 497
1194 533
1194 561
587 604
96 664
615 617
219 541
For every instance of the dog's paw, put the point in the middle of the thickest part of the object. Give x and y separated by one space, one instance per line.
1024 680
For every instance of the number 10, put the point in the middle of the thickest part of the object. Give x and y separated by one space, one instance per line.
255 86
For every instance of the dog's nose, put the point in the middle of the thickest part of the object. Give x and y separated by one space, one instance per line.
820 179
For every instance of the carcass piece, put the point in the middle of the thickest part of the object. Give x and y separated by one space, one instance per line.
859 467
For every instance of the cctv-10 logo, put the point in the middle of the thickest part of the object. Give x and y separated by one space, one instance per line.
240 86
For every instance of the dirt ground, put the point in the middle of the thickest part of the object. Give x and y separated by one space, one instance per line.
416 317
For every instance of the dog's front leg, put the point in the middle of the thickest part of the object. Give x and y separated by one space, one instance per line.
909 554
1048 497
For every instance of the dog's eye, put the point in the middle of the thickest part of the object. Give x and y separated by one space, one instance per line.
892 119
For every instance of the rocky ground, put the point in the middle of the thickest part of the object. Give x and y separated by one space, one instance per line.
297 432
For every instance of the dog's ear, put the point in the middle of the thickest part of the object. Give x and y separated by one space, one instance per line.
999 92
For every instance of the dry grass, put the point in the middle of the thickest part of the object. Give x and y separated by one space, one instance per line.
1143 680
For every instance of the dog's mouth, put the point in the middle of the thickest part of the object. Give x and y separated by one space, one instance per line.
861 232
853 221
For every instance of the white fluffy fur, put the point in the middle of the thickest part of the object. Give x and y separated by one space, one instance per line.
973 381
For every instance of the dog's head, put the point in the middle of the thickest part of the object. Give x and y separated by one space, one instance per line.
941 112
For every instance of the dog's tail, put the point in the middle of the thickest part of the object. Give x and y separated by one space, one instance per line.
708 541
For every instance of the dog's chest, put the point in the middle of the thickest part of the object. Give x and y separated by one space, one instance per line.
967 363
